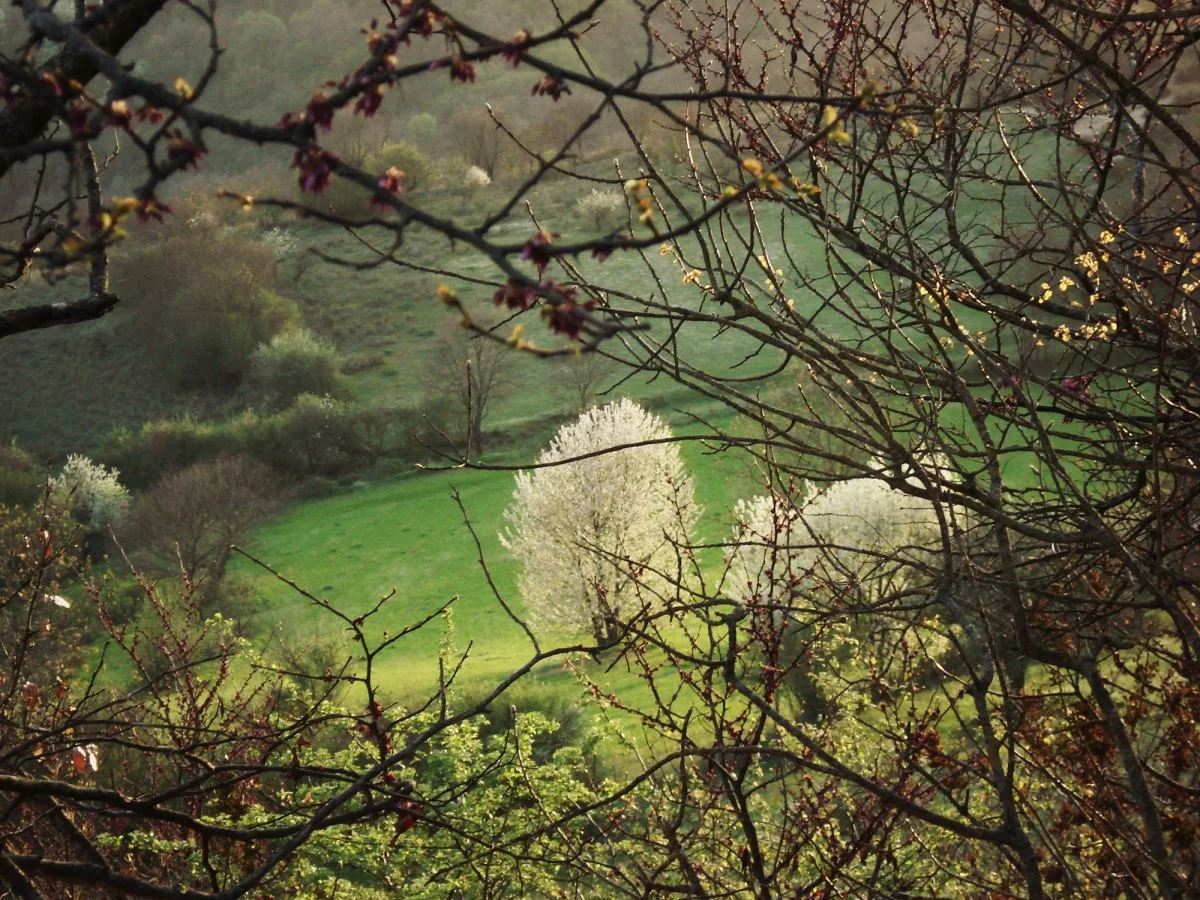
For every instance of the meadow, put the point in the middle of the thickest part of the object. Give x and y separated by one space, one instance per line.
399 527
407 533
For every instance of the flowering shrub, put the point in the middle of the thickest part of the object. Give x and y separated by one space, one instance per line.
281 242
89 491
594 535
475 179
603 209
813 571
860 531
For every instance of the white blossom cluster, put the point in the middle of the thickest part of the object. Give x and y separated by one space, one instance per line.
593 534
860 531
281 242
89 491
601 208
476 178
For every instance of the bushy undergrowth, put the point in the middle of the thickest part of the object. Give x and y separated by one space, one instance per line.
292 363
350 199
19 476
203 300
315 436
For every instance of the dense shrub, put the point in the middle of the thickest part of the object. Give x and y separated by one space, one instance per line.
122 598
295 362
404 156
159 447
315 436
189 518
203 301
551 702
19 476
224 336
351 199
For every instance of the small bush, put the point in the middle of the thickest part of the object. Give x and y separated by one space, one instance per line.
295 362
350 199
324 436
190 518
361 362
475 179
405 157
91 493
20 477
604 210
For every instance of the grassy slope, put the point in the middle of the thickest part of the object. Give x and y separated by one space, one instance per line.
408 534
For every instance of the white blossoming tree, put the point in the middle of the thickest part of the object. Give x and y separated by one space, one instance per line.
597 537
860 532
601 209
476 179
812 568
89 491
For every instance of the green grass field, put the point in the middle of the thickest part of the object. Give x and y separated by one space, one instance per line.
406 533
409 534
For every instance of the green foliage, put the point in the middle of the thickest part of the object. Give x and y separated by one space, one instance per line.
571 718
353 199
316 435
123 598
408 159
159 447
493 786
19 476
295 362
204 301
